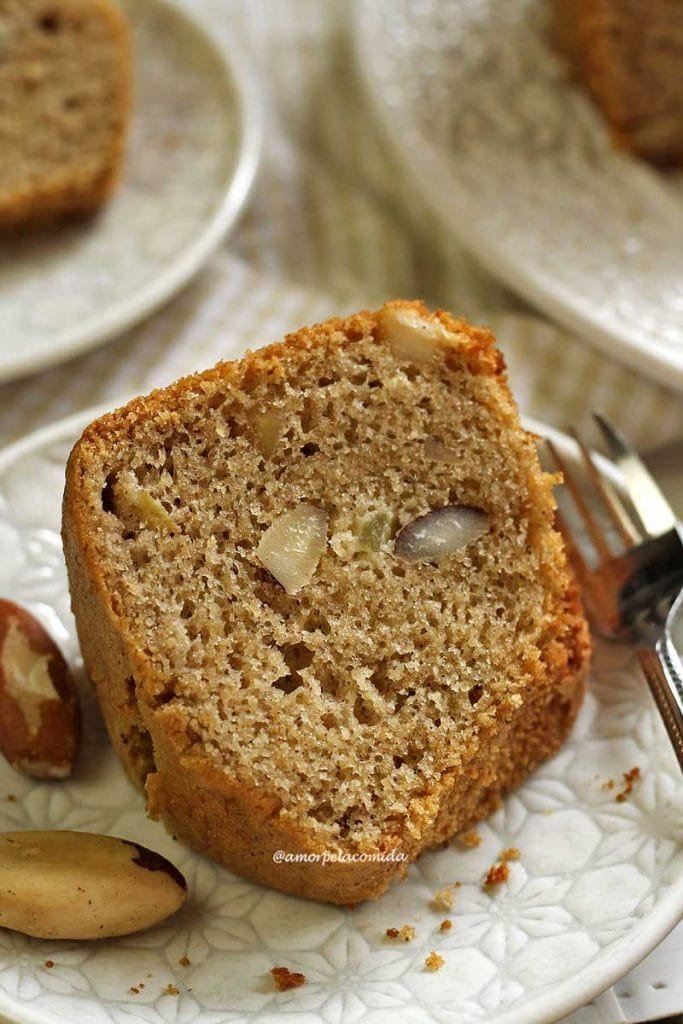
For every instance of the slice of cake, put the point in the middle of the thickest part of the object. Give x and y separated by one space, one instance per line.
64 104
629 55
322 600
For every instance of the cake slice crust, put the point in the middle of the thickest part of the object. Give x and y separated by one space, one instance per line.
379 703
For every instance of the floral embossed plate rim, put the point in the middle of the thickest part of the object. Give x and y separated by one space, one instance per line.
519 166
191 159
598 885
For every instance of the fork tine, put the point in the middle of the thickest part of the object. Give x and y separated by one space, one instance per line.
616 511
591 523
651 507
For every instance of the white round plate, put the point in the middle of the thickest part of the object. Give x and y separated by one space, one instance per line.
518 164
192 156
598 884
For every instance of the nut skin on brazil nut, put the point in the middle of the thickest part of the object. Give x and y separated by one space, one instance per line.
39 712
77 885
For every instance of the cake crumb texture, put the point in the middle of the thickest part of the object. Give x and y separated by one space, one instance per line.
386 703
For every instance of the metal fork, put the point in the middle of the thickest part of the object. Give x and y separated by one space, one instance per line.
633 589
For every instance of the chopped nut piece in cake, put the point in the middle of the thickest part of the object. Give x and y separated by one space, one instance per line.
434 962
374 530
291 548
137 508
285 979
268 427
412 338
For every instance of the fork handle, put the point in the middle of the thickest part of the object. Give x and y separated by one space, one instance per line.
666 687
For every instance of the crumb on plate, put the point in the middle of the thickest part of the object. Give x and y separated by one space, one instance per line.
404 934
470 840
434 962
184 961
171 990
444 899
630 777
497 874
285 979
446 925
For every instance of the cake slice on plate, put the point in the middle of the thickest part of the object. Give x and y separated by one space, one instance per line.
64 106
629 55
322 600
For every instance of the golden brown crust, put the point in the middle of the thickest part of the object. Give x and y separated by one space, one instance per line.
241 827
81 191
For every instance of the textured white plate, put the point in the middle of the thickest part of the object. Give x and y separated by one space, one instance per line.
518 164
191 159
598 885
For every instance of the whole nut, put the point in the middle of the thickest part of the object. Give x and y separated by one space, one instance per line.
39 713
76 885
440 532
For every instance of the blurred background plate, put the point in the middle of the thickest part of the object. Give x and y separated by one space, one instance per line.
519 165
191 160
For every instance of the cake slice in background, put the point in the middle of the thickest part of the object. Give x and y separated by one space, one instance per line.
322 600
64 106
629 55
